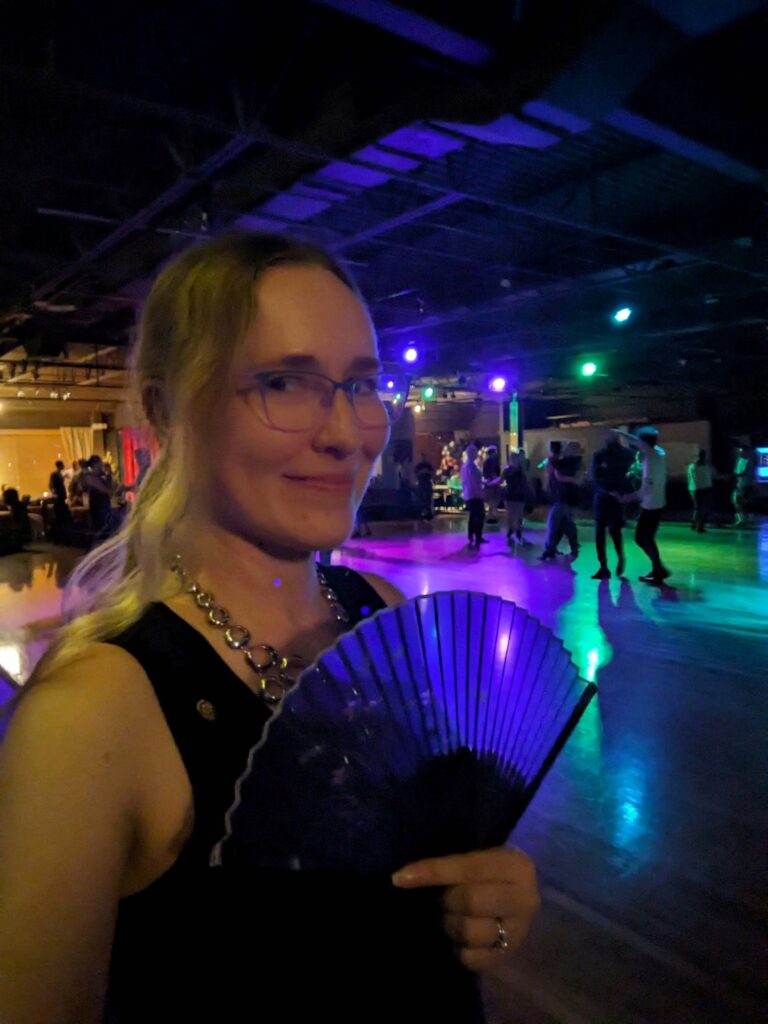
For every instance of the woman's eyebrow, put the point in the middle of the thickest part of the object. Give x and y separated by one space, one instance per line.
300 361
365 364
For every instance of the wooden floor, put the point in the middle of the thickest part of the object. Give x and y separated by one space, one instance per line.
651 832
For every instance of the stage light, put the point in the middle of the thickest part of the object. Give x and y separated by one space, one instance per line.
498 384
622 315
390 384
588 369
411 354
428 392
417 409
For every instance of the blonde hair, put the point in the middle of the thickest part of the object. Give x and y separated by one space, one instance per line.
189 330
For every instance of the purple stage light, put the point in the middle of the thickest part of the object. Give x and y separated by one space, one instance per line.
498 384
411 354
390 384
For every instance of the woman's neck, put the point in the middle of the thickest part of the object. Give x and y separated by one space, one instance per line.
237 571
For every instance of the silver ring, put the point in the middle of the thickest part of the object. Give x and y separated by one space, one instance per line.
502 939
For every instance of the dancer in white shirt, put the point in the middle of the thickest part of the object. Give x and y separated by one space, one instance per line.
652 496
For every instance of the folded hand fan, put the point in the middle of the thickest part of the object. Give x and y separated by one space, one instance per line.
424 731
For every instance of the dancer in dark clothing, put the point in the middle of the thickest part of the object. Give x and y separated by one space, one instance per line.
62 516
564 486
492 482
518 493
608 472
700 488
425 475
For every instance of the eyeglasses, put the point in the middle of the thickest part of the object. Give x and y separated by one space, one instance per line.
295 400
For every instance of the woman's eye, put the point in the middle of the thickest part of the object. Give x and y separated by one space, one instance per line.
284 382
367 386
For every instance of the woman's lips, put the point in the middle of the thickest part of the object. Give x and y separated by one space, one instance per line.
329 483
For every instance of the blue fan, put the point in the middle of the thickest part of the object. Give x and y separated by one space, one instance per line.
424 731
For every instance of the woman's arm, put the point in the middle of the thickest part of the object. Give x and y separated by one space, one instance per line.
70 771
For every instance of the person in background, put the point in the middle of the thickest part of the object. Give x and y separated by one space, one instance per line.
652 496
517 493
99 486
77 489
700 488
424 479
492 482
19 513
68 474
740 498
564 487
362 526
472 492
608 472
62 516
56 483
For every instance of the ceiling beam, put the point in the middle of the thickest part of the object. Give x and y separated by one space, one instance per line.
449 199
414 27
187 184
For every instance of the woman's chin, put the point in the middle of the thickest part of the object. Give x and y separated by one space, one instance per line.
324 537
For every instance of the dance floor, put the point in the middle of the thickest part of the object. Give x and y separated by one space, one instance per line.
651 831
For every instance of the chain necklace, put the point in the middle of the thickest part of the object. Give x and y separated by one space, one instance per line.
276 674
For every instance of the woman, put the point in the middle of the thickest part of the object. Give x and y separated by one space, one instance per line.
700 488
517 494
255 363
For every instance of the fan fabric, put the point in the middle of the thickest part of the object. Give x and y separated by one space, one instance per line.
424 731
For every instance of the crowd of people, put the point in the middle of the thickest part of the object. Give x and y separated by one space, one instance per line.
619 476
626 475
91 485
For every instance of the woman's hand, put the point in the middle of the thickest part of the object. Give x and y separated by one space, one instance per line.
490 900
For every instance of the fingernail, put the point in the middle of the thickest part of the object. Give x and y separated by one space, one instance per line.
404 878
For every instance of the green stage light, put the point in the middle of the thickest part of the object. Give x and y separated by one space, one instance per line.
588 369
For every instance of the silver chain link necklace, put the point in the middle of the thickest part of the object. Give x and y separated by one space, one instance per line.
276 674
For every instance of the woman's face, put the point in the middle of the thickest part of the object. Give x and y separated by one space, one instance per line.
296 490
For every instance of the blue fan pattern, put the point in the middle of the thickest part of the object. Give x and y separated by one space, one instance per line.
424 731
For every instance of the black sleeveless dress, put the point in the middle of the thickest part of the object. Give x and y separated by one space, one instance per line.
225 945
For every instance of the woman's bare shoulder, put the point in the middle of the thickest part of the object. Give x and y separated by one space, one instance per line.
101 690
388 592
